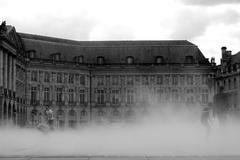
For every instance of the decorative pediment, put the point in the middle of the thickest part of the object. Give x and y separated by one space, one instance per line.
10 36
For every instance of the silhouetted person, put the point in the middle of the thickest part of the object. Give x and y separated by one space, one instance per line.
221 106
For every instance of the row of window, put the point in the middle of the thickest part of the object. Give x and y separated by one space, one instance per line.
152 79
101 60
71 77
229 84
59 95
115 96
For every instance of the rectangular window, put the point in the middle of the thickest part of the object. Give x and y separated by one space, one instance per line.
197 79
160 79
160 94
59 94
71 79
100 96
130 80
100 80
175 95
204 96
115 96
145 80
204 79
82 80
46 77
82 96
190 98
115 80
71 95
190 80
129 96
34 76
46 94
33 93
167 79
174 80
59 77
182 80
152 79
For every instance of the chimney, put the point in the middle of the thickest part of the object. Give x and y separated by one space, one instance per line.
224 49
213 61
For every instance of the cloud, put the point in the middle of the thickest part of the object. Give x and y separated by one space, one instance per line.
75 27
190 24
210 2
116 32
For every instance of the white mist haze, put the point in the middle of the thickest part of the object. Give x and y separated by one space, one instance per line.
165 130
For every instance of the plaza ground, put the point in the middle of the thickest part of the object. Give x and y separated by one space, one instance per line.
119 158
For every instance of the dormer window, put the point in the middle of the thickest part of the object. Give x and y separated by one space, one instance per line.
130 60
100 60
189 59
159 59
56 56
32 54
79 59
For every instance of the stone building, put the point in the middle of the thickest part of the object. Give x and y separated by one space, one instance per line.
98 81
13 107
227 75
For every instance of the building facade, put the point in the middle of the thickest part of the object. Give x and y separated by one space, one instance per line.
99 81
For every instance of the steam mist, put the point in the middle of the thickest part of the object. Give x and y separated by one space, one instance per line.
165 130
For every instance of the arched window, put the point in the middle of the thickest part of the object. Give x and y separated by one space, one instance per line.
83 113
159 59
72 113
100 60
100 113
189 59
116 113
60 113
130 60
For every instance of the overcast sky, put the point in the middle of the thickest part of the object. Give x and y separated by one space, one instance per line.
210 24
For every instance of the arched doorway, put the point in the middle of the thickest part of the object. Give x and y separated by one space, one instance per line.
83 117
18 115
72 118
14 114
34 116
9 111
5 111
60 118
116 115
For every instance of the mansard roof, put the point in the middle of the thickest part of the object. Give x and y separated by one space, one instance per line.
173 51
235 58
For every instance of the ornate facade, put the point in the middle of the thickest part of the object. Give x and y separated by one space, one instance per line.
86 81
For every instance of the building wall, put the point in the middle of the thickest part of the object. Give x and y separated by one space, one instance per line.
112 93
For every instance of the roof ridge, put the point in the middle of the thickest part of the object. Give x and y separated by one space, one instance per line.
113 42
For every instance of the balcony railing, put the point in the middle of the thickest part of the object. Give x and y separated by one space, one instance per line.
60 103
47 103
72 103
34 102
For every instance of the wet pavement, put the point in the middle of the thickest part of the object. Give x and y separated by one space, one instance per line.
119 158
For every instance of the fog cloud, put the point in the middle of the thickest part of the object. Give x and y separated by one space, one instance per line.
210 2
191 24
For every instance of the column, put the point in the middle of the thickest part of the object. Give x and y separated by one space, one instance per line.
5 70
1 67
14 75
10 73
